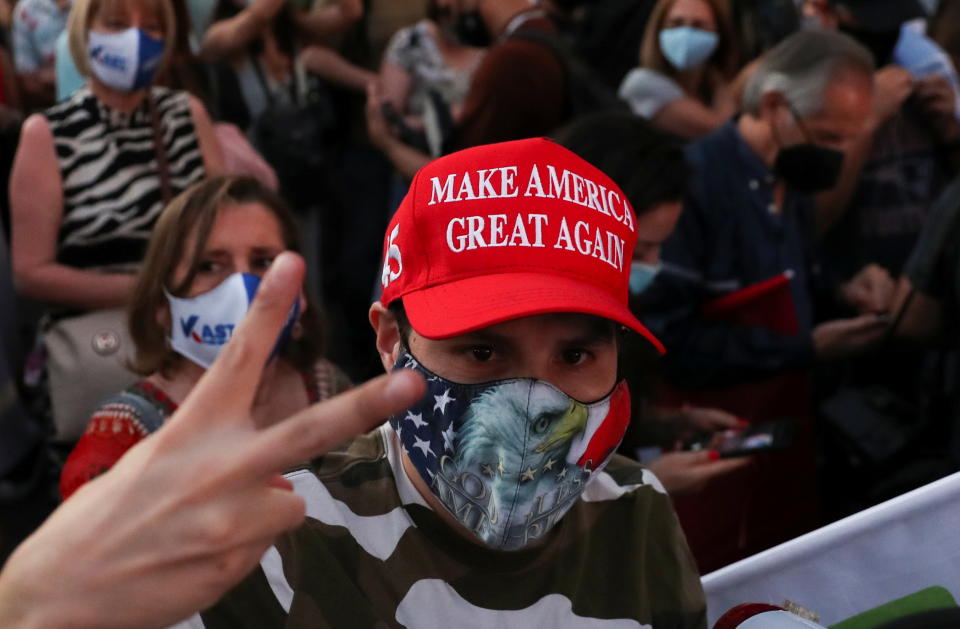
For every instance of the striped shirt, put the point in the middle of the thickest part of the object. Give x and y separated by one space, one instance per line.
111 184
373 554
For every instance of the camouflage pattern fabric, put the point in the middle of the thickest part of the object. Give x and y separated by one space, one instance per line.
373 554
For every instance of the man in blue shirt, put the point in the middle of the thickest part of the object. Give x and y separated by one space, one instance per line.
749 217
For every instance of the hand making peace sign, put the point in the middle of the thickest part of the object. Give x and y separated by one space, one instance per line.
189 511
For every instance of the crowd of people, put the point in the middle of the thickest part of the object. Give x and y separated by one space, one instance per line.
714 238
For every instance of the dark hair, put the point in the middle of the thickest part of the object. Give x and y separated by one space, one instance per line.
283 25
191 215
647 163
403 323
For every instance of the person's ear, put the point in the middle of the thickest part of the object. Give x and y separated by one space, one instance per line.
772 105
163 317
387 329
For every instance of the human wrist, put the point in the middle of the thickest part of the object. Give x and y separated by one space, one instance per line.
25 606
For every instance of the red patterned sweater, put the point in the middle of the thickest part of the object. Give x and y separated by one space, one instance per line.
118 424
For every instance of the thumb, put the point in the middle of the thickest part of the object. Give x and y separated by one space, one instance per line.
869 322
373 93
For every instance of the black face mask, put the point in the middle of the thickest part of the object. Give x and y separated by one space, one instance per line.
880 44
471 30
808 167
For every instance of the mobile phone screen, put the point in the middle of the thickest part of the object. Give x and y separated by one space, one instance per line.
762 437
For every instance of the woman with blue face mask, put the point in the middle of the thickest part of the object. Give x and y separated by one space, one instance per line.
89 180
209 249
688 59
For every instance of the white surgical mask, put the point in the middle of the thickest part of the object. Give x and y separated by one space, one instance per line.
642 275
202 325
125 61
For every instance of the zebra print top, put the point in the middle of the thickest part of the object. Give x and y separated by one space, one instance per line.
111 183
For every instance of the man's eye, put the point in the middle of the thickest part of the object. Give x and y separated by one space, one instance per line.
574 356
481 353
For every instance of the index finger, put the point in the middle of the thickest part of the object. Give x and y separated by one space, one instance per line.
714 418
315 430
373 93
724 466
228 387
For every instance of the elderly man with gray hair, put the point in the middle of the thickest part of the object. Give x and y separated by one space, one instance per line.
748 218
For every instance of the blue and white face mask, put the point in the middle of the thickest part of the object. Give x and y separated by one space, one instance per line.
508 458
202 325
125 61
642 275
687 47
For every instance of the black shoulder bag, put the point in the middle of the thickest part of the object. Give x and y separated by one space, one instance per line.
874 423
291 136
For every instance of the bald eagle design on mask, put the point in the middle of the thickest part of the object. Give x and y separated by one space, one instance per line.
508 458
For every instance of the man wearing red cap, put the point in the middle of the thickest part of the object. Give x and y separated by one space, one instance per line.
496 500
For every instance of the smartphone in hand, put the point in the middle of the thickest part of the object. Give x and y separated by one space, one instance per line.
753 439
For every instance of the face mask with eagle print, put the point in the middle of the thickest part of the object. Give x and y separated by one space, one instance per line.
508 458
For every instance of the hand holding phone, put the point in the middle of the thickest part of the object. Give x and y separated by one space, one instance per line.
754 439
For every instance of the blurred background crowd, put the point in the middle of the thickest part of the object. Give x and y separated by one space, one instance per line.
792 163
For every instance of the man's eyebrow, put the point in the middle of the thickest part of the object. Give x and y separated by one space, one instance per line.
595 332
482 336
601 333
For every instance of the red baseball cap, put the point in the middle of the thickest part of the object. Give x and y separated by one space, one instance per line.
508 230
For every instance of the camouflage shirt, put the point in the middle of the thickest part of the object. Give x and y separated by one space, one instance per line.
371 553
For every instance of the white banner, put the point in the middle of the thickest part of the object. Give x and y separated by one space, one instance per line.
853 565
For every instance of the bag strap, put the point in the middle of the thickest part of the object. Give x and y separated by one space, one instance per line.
267 92
296 88
163 166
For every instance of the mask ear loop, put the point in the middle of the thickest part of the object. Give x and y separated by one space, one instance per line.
800 124
798 121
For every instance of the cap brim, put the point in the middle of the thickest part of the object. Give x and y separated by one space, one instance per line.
466 305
